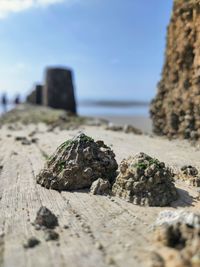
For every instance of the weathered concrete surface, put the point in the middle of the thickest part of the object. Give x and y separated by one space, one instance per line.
59 89
175 109
94 230
39 94
36 96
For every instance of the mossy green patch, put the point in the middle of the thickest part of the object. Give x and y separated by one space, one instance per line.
140 165
85 138
61 166
66 144
144 165
82 137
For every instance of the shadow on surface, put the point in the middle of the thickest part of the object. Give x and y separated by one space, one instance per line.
184 200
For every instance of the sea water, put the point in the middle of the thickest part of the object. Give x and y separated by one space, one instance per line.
114 111
96 110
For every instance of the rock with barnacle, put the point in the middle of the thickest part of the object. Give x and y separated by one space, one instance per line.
190 175
144 180
178 234
77 163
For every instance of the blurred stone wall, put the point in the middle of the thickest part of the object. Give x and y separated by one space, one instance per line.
176 108
59 89
36 96
57 92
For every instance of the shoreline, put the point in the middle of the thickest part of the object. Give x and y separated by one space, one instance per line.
141 122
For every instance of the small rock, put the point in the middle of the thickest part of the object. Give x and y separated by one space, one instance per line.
23 140
26 143
34 140
32 133
77 163
98 245
189 170
51 235
31 243
189 174
131 129
144 180
100 187
113 127
10 127
46 218
20 138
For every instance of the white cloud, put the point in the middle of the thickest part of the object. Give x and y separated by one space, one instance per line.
13 6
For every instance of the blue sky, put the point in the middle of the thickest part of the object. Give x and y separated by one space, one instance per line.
115 47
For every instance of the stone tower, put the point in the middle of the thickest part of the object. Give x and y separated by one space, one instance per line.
176 108
35 97
59 89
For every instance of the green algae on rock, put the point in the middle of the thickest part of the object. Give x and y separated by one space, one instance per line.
144 180
77 163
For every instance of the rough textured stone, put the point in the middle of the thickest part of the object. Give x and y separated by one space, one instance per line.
144 180
100 187
190 175
77 163
189 170
131 129
51 235
176 108
59 89
31 243
45 218
126 128
179 233
169 217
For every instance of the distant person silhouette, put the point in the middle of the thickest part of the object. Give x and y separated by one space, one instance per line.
17 100
4 102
